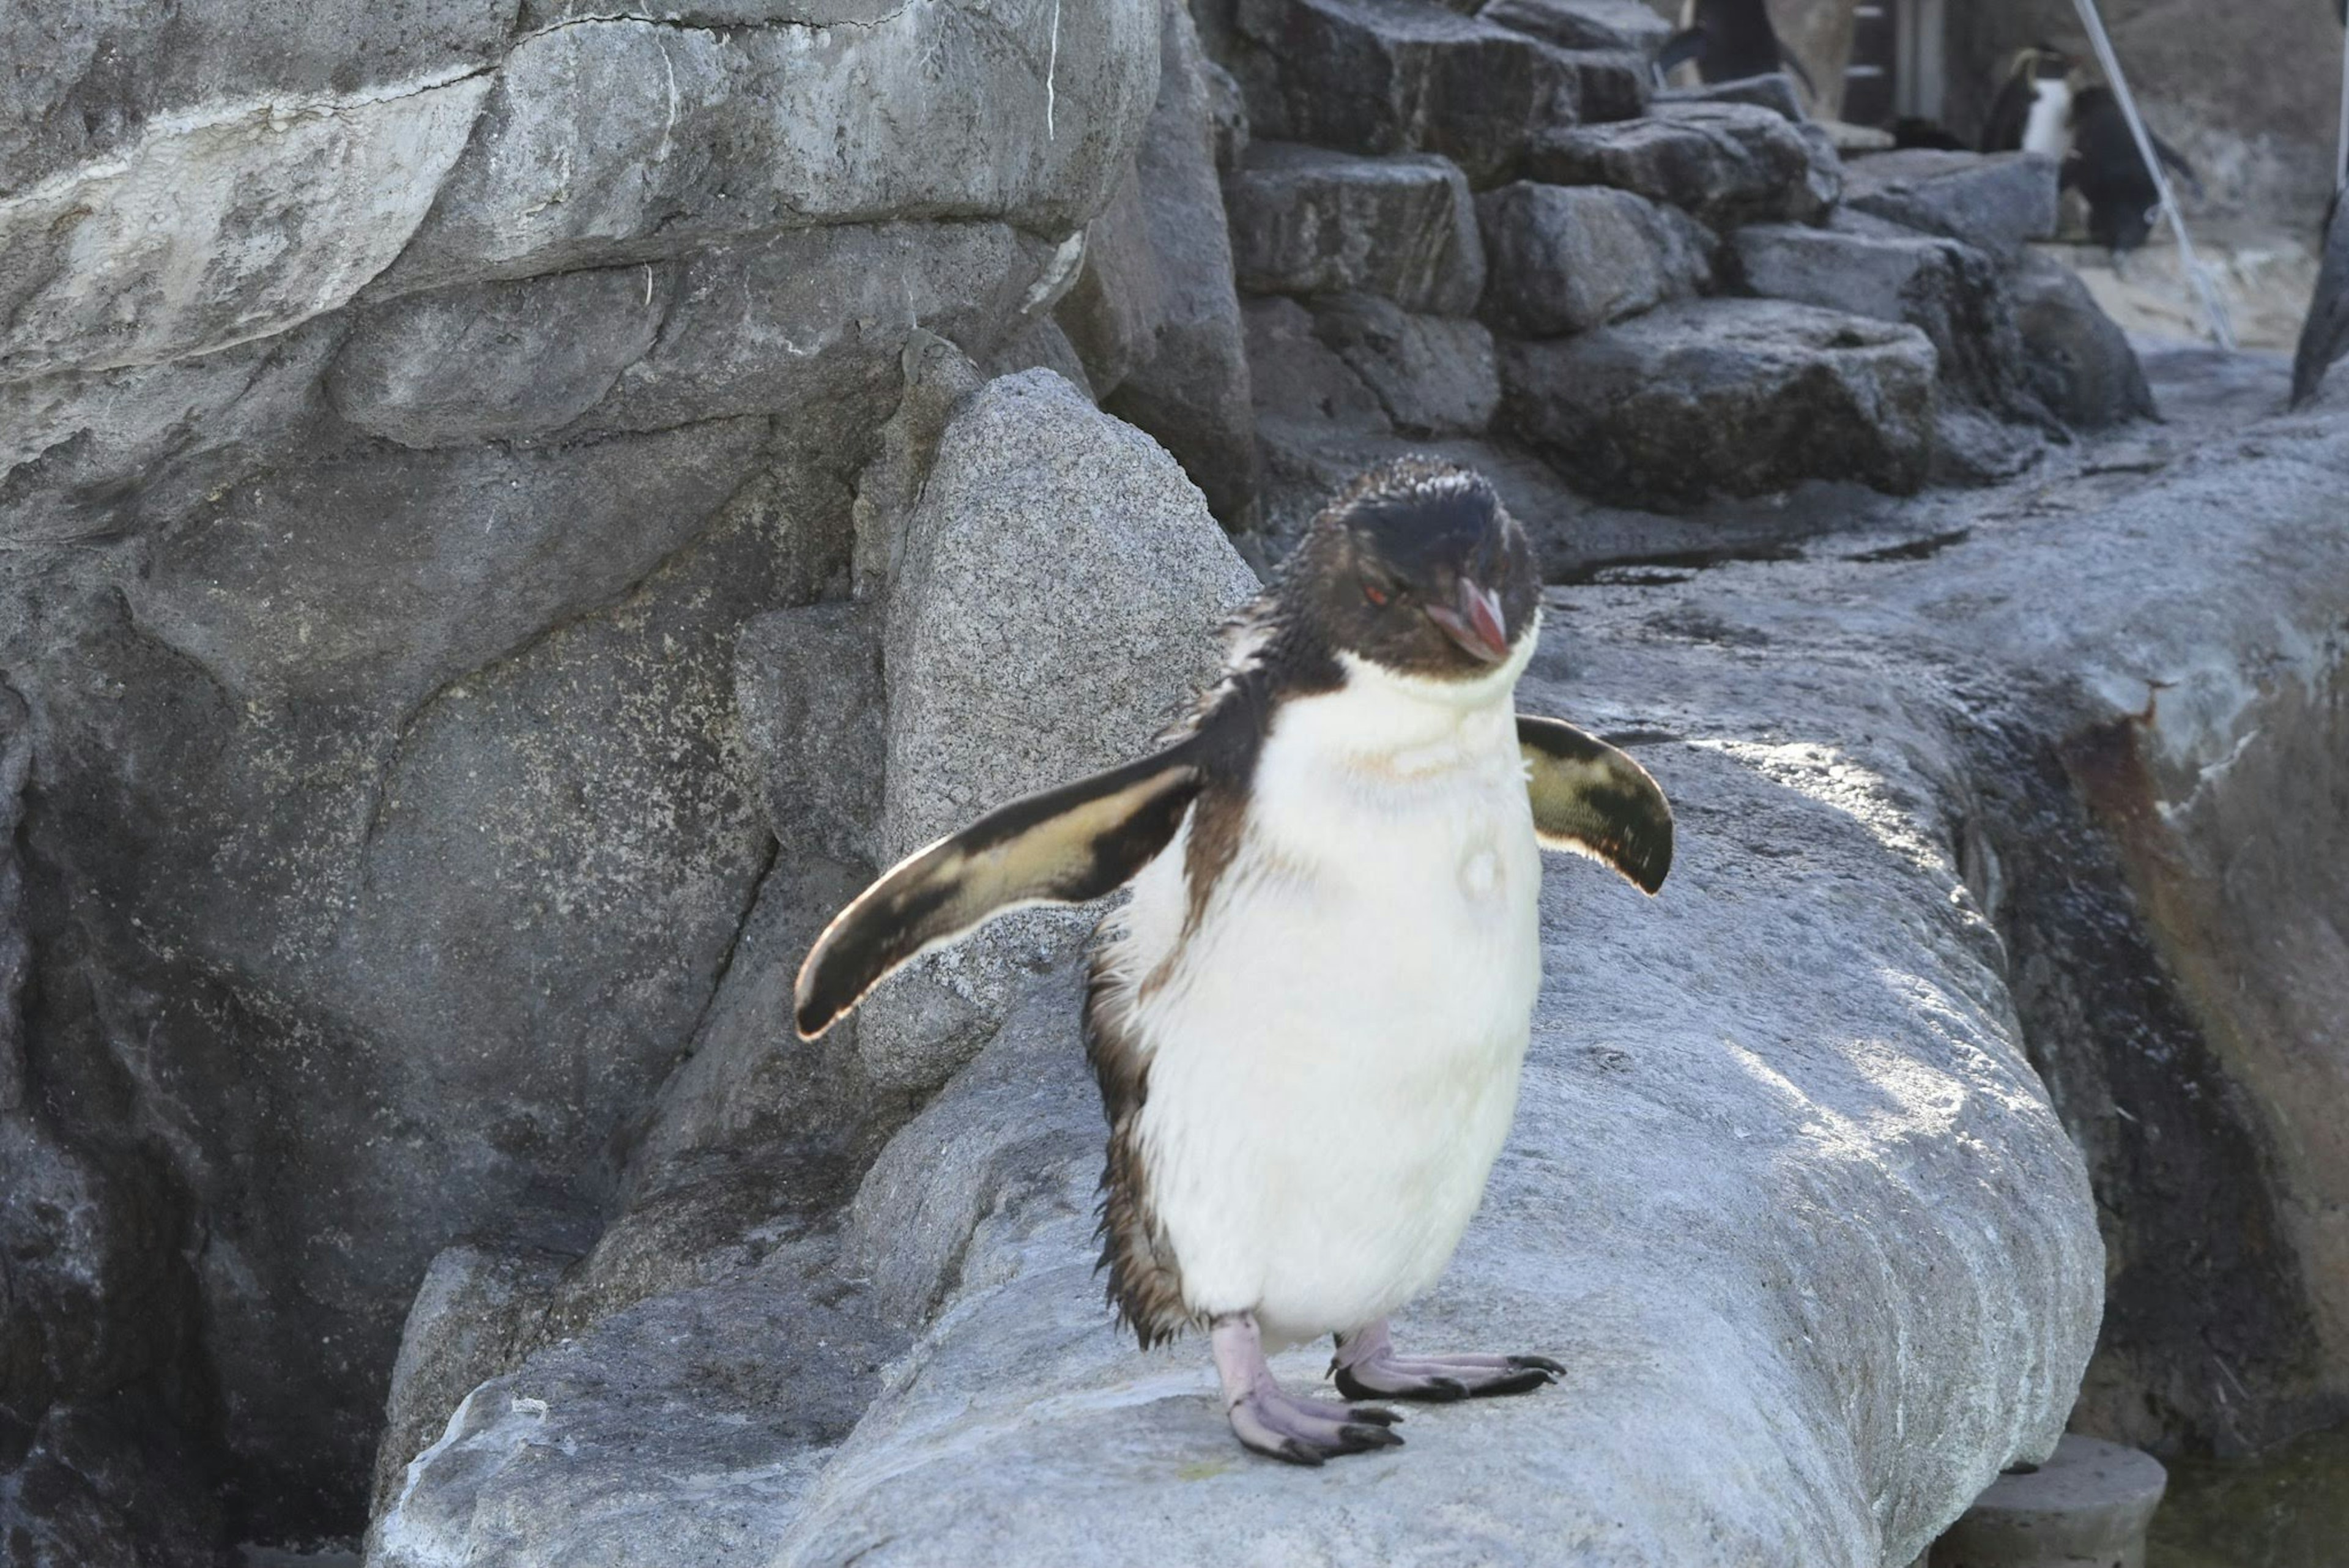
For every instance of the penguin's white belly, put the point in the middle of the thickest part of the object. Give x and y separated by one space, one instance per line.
1334 1052
2048 130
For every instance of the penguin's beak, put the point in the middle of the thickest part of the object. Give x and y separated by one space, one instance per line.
1476 624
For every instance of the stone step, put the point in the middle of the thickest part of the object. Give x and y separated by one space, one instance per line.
1624 25
2087 1507
1306 221
1728 163
1740 396
1999 201
1566 258
1398 76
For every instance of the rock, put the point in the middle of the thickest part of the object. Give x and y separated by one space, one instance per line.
814 715
557 1462
1307 221
1625 27
1054 608
498 360
1297 375
610 139
2090 1502
1410 75
1190 390
1948 291
2077 360
1737 396
1569 258
1229 122
1727 163
1041 345
474 1316
1434 375
1996 202
212 228
1113 311
1775 91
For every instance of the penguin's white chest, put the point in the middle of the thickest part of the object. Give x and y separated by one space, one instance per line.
2048 130
1334 1049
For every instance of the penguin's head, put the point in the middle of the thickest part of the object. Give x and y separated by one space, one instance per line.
1417 567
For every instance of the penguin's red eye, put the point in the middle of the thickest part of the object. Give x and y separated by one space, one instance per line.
1376 594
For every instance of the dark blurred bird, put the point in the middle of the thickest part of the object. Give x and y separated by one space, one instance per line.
1730 40
2105 166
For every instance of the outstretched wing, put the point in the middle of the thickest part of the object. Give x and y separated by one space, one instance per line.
1592 799
1063 845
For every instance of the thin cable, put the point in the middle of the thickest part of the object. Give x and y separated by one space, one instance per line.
2213 308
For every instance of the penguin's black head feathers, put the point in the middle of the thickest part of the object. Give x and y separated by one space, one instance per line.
1418 567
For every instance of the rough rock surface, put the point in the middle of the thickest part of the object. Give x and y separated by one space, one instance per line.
1307 221
1950 292
1996 202
1727 163
1190 390
400 411
1048 620
1564 258
1624 25
2078 361
1735 395
1433 375
1412 75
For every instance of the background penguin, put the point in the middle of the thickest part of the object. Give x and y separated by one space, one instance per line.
1730 40
2105 167
1307 1023
2033 110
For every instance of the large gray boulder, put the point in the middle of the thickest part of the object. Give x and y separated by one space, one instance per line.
1996 202
1950 292
1726 164
1569 258
1061 583
1305 220
1737 396
2076 359
1406 76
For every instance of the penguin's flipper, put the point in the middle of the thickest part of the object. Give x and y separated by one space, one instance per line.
1063 845
2010 115
1794 63
2176 161
1592 799
1682 46
2325 336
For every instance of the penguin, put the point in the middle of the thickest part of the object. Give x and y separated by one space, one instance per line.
2104 165
2033 110
1307 1022
1730 40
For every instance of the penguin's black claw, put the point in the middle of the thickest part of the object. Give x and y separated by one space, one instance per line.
1368 1367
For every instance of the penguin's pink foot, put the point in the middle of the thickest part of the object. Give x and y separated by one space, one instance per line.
1288 1426
1367 1367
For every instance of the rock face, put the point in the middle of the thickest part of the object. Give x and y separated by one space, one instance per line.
1995 202
1737 396
1726 164
2078 361
1412 75
1308 221
1048 619
1433 375
1566 259
1950 292
398 421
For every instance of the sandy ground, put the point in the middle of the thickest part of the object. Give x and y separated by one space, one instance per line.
2263 278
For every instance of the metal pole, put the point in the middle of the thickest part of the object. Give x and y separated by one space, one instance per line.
2213 308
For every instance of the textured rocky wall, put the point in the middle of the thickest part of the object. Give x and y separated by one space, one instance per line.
400 411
